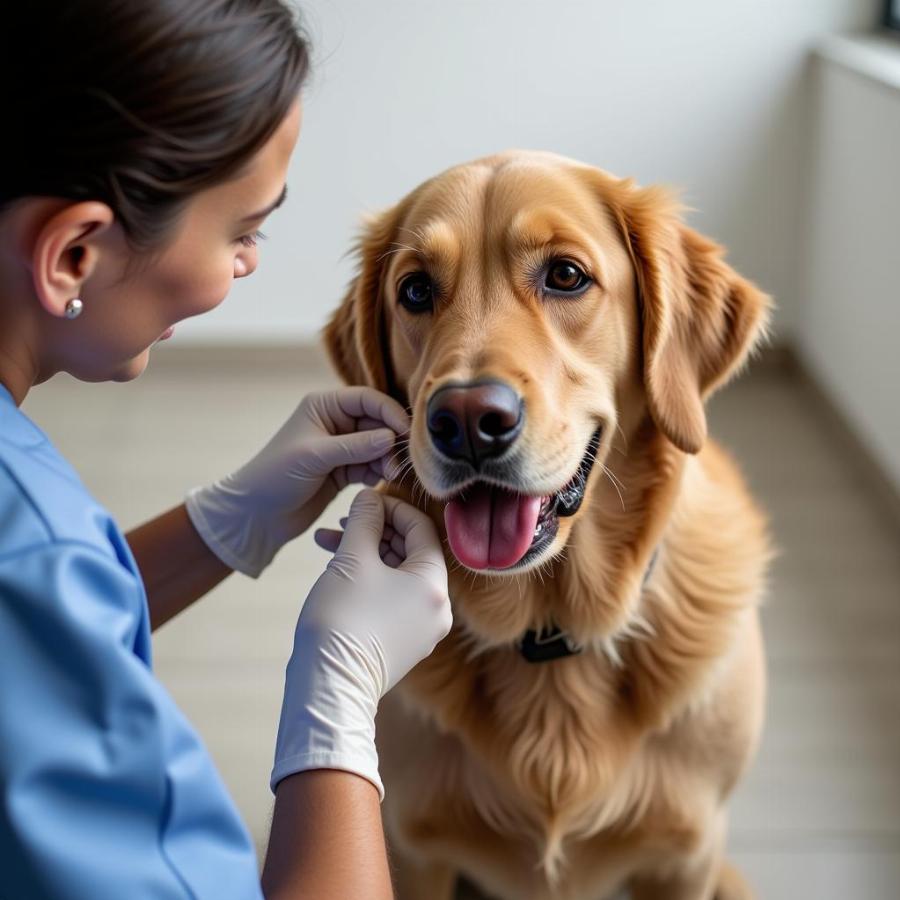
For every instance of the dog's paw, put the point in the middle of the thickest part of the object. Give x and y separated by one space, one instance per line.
732 885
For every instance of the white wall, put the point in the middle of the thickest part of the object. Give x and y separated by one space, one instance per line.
850 289
709 95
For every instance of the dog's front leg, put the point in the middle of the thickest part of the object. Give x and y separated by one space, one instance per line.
697 882
705 876
422 881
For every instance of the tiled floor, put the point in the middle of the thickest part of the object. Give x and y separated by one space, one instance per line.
819 815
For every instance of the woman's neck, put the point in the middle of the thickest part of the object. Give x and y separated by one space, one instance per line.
20 365
15 376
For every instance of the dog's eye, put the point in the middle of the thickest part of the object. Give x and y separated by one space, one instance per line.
564 276
416 292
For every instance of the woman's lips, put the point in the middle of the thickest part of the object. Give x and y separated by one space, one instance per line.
167 333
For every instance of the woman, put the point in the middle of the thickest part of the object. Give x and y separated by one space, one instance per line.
146 142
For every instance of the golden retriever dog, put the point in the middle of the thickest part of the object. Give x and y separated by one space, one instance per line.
554 332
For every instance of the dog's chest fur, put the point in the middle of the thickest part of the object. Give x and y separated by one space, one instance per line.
546 753
559 781
552 758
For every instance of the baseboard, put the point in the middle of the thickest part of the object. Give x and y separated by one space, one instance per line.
775 358
297 356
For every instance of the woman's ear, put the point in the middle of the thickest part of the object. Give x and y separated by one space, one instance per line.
357 337
700 319
64 252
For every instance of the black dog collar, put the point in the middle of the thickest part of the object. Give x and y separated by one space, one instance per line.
547 644
553 643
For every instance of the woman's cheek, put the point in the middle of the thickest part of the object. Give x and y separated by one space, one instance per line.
207 293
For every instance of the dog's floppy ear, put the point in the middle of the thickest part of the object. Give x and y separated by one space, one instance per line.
356 336
700 319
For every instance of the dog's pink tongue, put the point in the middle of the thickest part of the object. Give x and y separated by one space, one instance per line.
491 528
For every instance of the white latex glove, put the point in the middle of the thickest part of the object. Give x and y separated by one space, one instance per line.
335 438
379 608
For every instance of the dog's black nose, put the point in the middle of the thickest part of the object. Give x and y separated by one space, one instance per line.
475 421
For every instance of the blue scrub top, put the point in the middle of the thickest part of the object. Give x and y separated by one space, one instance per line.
107 790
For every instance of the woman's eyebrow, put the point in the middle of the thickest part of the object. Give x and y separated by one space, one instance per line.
270 208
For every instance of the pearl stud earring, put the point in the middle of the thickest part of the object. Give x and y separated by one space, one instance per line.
74 308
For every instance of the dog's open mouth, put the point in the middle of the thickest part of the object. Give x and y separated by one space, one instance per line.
493 527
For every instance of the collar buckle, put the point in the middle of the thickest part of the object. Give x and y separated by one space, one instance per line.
546 645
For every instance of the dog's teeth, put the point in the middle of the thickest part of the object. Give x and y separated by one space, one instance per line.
538 529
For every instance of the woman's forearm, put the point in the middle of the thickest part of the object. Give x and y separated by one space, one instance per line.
327 840
175 564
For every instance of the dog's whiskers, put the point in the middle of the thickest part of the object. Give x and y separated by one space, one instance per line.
614 482
624 441
615 477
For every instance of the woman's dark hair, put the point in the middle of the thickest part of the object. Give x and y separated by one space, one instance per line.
141 103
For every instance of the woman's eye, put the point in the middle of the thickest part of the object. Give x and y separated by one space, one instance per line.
416 293
565 276
251 240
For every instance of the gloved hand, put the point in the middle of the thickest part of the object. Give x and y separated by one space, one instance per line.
340 437
378 609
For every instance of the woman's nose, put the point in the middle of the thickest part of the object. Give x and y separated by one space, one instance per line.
246 264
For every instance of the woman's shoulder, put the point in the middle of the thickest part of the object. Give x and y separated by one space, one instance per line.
42 500
62 557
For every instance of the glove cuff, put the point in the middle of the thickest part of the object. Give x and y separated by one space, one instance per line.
363 763
328 714
229 534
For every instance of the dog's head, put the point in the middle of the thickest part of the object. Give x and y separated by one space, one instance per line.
527 309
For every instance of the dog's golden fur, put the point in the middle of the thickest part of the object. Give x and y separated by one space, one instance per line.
572 778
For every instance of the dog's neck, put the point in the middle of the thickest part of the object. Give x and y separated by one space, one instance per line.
549 644
593 591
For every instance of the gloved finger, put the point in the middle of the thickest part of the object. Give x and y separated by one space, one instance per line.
377 465
389 537
365 423
389 558
389 534
365 524
391 466
354 474
346 406
398 544
424 556
393 541
362 473
328 538
332 451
